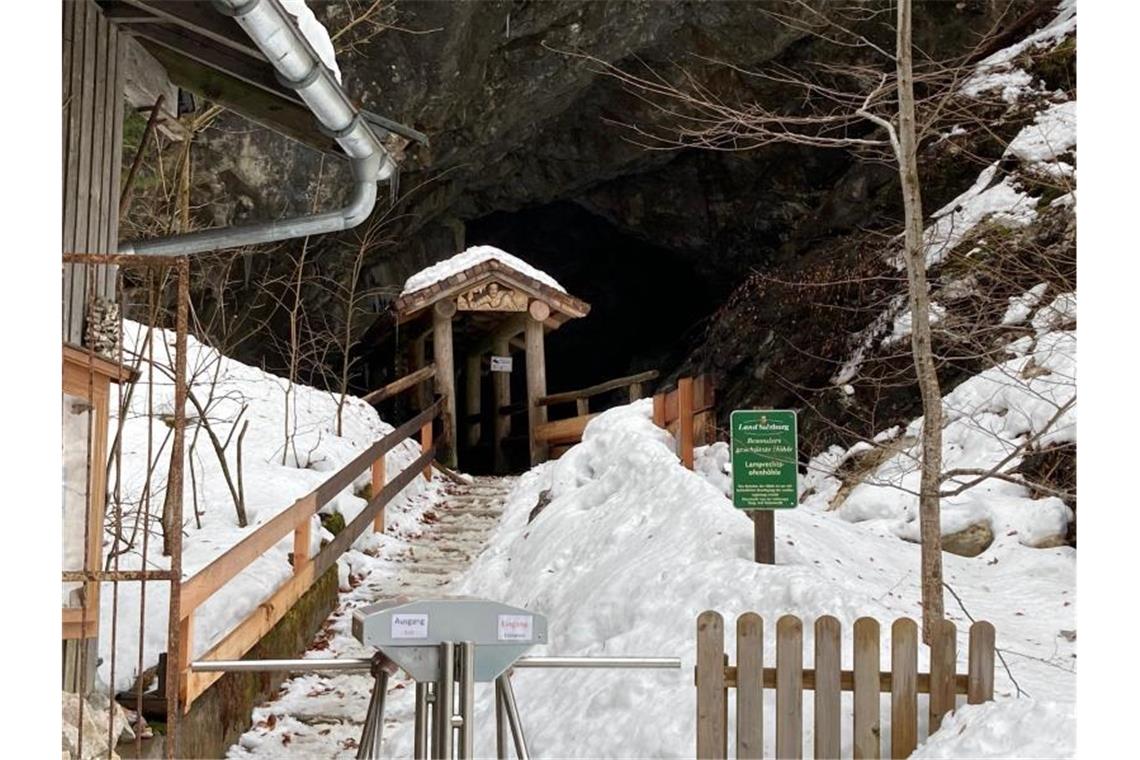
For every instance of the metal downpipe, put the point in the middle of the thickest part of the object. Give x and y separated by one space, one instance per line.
299 68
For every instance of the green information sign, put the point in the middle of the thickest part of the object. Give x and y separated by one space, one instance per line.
764 448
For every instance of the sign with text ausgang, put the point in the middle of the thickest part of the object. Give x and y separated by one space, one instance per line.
764 447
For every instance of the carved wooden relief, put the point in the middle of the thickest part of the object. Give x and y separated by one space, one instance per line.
492 297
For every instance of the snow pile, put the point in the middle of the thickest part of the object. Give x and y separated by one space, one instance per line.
276 472
632 547
315 32
1010 728
473 256
998 71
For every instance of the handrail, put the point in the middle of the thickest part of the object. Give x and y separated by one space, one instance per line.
213 576
594 390
400 384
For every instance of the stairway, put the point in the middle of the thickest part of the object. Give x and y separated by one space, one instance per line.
322 715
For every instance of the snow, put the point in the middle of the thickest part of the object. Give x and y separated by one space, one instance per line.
315 32
275 475
1009 728
1020 307
1053 133
902 324
998 72
472 257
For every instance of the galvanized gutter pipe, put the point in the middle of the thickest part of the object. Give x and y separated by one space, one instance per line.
299 67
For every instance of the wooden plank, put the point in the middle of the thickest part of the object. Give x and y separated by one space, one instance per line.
980 674
866 697
97 178
379 475
410 380
442 346
200 21
943 664
501 387
904 687
828 664
115 159
635 391
789 687
593 390
712 732
847 680
750 689
582 406
247 633
536 388
302 538
425 444
564 431
659 410
685 411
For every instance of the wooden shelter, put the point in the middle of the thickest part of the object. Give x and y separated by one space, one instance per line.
483 309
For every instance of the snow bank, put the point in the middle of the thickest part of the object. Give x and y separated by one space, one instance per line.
1006 728
469 258
276 472
998 72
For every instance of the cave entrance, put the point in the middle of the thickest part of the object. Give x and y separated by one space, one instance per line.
474 307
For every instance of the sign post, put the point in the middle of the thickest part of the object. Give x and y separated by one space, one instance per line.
764 473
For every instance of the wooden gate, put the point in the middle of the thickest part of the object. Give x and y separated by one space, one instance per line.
714 677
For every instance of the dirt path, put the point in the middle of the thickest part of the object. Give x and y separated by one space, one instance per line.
322 716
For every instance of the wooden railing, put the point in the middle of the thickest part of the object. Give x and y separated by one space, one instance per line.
688 412
714 677
297 519
563 433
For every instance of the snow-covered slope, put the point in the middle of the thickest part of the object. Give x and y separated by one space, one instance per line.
289 448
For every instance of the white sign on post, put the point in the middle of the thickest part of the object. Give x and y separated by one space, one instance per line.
501 363
516 627
409 626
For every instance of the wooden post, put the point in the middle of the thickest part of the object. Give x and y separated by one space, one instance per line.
980 684
904 688
379 476
789 687
419 360
634 391
301 540
712 732
749 686
425 444
866 687
582 406
943 668
764 536
659 410
536 377
685 412
828 659
445 376
474 398
501 384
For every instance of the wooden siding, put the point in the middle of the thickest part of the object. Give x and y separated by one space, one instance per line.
92 153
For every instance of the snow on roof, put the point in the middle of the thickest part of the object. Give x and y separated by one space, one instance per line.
471 257
315 32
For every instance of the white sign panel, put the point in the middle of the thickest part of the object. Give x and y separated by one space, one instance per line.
501 363
516 627
409 626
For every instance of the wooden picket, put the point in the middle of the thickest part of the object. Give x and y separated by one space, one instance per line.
866 681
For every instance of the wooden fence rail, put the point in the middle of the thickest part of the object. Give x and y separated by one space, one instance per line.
714 677
297 519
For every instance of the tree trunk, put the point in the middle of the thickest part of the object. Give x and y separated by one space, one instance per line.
919 296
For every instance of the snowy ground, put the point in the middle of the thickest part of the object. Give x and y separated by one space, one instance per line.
285 455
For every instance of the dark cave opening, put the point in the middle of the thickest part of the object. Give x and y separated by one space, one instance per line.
647 306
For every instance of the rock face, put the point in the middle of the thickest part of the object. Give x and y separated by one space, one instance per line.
518 118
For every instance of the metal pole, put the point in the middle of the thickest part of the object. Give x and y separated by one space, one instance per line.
598 662
502 738
503 683
443 701
467 700
369 748
359 664
420 749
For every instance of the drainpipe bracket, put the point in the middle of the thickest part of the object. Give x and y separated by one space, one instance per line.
227 9
304 81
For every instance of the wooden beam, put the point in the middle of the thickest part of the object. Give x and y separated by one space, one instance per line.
594 390
535 386
501 386
197 19
400 384
847 680
444 359
474 398
568 430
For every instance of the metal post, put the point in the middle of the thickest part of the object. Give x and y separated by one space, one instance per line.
502 737
370 738
420 749
443 701
503 683
467 700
